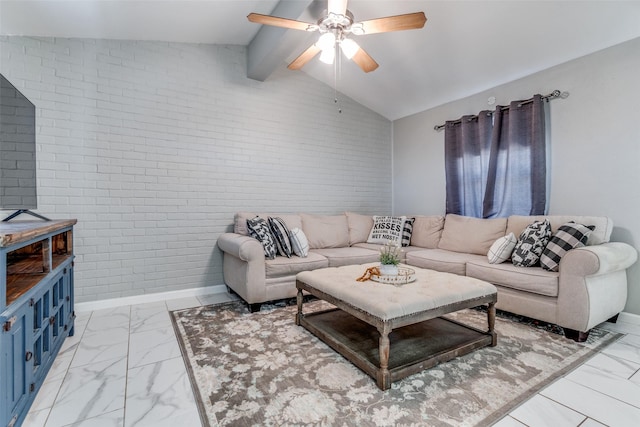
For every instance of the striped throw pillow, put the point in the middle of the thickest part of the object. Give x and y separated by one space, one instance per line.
407 229
281 234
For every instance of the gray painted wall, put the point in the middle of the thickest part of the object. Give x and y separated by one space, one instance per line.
595 144
153 147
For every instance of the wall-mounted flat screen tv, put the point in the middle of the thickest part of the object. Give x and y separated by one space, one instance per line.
17 149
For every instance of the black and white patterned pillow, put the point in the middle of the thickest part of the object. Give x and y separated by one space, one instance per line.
407 229
281 233
531 243
569 236
259 229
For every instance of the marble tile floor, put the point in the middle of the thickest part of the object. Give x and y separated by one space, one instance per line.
123 368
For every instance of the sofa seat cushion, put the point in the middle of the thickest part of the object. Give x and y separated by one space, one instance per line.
283 266
529 279
442 260
376 247
371 246
347 256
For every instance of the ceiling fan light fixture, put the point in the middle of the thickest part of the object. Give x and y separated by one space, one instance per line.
326 42
328 56
349 47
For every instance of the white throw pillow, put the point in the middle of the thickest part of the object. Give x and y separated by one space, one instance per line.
501 249
299 242
387 229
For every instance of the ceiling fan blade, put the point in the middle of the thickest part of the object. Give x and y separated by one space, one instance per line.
409 21
339 7
364 61
304 57
278 22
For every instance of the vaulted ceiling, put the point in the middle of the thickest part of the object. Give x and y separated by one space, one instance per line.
465 46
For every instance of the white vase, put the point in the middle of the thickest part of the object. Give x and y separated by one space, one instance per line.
388 270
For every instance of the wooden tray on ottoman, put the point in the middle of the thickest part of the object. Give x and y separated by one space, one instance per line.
392 332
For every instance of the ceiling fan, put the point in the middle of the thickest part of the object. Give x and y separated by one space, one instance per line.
334 29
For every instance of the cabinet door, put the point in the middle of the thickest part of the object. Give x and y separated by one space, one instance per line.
16 369
42 346
69 313
59 304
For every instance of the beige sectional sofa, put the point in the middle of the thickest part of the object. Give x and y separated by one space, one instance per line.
589 288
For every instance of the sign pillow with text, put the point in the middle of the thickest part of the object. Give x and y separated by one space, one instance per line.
387 229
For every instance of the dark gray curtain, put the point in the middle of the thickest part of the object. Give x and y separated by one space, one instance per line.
497 168
467 145
516 182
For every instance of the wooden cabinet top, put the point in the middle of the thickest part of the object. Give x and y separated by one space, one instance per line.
21 231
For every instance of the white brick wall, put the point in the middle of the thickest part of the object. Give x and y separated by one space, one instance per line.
153 146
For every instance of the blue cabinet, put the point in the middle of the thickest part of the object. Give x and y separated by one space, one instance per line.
36 308
14 348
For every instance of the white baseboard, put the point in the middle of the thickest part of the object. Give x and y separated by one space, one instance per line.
147 298
631 318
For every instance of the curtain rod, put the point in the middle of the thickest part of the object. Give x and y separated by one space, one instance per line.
553 95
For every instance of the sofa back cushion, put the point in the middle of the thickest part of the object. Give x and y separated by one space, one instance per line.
601 233
427 231
240 220
359 227
471 235
325 231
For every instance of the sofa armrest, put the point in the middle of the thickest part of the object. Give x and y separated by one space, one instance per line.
598 259
243 266
245 248
593 284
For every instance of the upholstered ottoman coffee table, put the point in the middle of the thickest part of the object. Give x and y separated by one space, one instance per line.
393 331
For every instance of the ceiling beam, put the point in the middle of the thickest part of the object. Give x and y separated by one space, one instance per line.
273 45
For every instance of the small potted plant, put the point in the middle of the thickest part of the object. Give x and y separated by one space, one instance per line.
390 258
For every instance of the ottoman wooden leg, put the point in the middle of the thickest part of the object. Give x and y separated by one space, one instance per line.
384 377
299 300
491 317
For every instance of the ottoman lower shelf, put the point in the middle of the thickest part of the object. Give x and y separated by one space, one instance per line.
413 348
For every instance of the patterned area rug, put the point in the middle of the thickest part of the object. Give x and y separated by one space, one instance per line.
261 369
